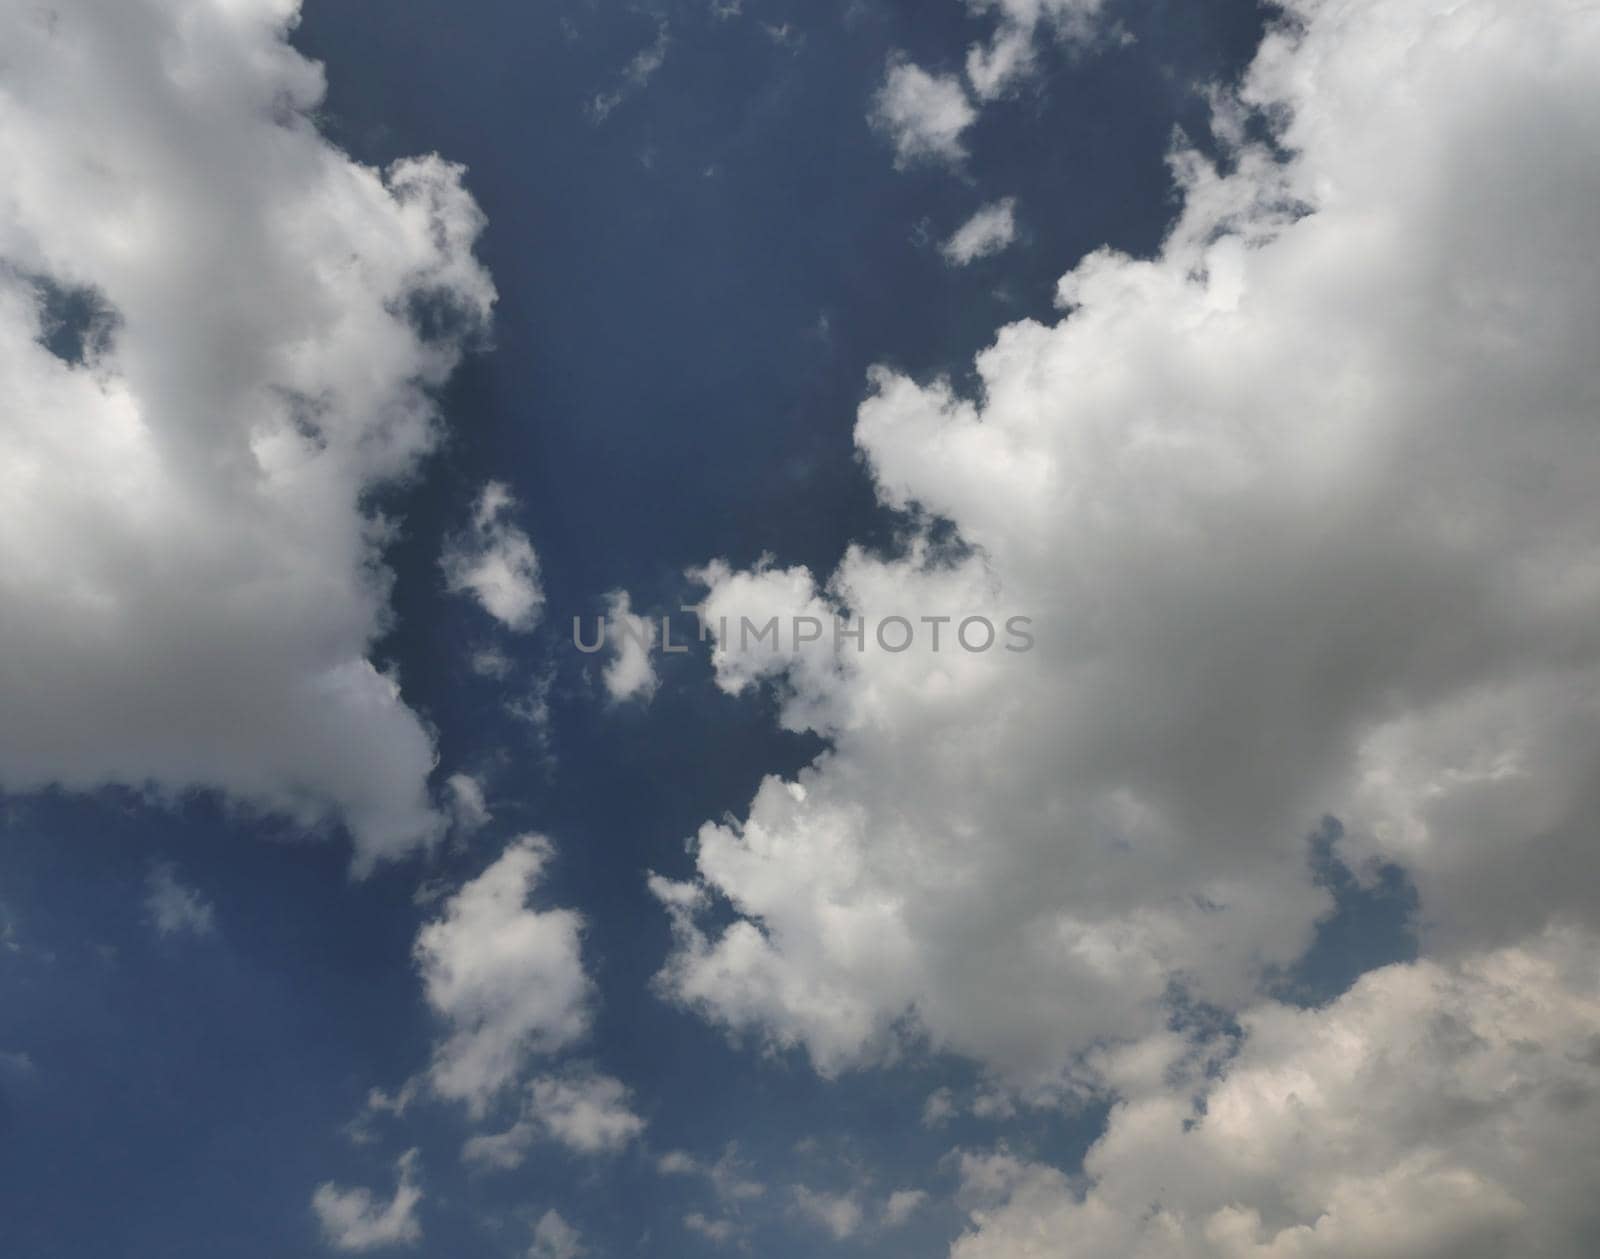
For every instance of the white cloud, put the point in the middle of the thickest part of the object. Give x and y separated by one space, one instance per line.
495 563
352 1219
838 1215
637 76
718 1230
677 1163
468 807
1303 511
629 672
1010 54
729 1176
923 114
507 978
987 232
587 1112
191 578
901 1205
1432 1112
939 1109
554 1238
174 907
490 662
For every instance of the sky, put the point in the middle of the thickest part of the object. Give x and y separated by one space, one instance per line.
1230 363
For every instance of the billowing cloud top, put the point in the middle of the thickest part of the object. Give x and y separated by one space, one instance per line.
1303 511
218 333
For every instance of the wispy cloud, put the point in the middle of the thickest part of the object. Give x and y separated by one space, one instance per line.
637 75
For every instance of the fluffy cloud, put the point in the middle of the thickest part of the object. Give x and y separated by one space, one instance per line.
554 1238
901 1205
495 563
586 1112
629 672
940 1108
987 232
352 1219
506 977
218 334
174 907
1302 509
923 114
1010 52
720 1231
1431 1112
838 1215
468 807
729 1176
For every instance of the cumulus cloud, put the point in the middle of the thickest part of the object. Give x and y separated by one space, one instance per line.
507 978
629 672
468 807
987 232
1302 509
939 1108
730 1179
587 1112
554 1238
713 1229
495 562
352 1219
1431 1111
490 661
922 114
901 1205
174 907
677 1163
838 1215
1010 54
218 334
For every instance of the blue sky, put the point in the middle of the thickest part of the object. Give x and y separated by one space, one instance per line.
346 906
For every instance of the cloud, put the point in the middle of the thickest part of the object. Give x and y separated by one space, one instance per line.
495 563
587 1112
901 1205
1302 511
729 1176
554 1238
677 1163
508 979
219 334
490 661
1442 1111
1010 54
923 114
638 74
839 1215
720 1231
940 1108
629 673
987 232
352 1219
174 907
468 808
